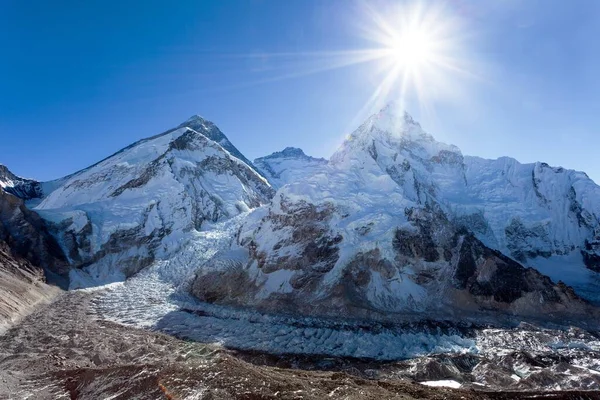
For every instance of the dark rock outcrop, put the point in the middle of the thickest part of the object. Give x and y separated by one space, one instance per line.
25 189
27 251
27 235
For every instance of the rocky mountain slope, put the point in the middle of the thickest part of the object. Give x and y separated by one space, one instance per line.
26 252
288 165
398 222
23 287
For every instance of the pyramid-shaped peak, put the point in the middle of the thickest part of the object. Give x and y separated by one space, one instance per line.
394 115
210 130
195 117
390 128
197 122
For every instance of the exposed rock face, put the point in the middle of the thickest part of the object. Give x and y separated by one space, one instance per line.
425 266
26 250
22 287
121 214
499 283
27 236
288 165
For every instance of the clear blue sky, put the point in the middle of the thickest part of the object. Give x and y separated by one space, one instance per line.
82 79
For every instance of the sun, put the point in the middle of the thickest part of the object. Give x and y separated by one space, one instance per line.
412 49
415 50
418 49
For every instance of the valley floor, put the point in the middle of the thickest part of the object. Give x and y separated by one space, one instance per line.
64 350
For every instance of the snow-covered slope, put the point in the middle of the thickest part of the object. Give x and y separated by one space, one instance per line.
288 165
541 216
398 222
526 211
119 215
532 210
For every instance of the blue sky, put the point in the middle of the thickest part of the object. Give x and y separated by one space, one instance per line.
80 80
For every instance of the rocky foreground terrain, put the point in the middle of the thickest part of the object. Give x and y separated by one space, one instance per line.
66 350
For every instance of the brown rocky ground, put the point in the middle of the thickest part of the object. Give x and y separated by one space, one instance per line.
63 351
22 287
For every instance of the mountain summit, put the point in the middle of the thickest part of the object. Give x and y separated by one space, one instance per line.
211 131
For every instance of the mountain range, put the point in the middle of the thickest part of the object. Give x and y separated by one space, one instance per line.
395 225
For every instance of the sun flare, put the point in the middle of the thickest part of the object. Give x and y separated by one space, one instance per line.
418 51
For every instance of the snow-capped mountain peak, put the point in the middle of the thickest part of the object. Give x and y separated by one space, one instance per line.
288 152
288 165
142 202
392 118
211 131
392 131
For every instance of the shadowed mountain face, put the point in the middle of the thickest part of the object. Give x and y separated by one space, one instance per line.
27 235
23 188
26 251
